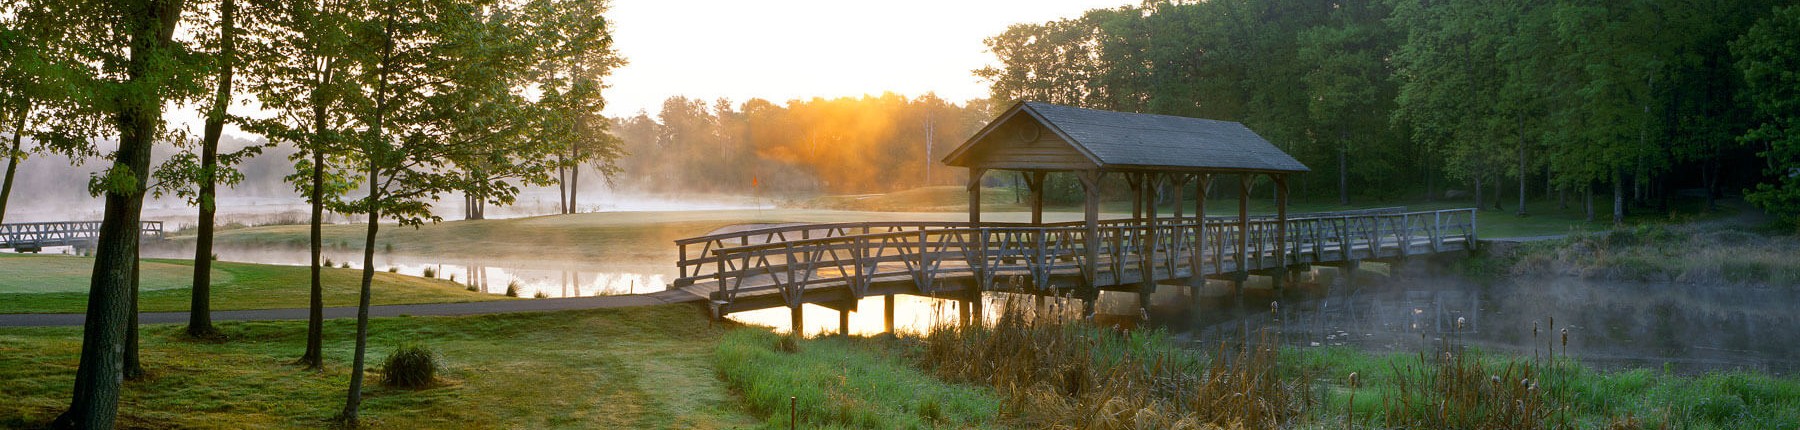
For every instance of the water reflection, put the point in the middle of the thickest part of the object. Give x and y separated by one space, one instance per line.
1680 327
532 278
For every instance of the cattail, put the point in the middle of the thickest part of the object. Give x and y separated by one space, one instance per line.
1565 338
1534 329
1459 323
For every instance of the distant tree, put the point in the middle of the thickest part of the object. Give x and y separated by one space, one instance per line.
1349 86
1765 55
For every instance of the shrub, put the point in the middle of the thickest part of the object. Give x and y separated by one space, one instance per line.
540 295
410 366
430 273
512 288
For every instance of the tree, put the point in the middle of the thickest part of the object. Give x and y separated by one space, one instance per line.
1765 55
302 76
440 88
1349 85
134 68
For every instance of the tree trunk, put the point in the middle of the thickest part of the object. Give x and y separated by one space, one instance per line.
200 308
1477 191
12 159
562 186
1587 201
574 179
352 405
1619 200
134 365
1522 175
314 357
95 401
1344 172
1499 193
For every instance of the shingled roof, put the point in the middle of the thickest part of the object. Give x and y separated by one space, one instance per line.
1135 141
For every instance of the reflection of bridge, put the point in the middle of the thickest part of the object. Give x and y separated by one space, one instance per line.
837 264
34 236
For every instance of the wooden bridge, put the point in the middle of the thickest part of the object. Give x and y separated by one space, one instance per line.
837 264
1157 156
34 236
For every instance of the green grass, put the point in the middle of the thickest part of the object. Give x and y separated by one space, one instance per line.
1590 398
59 283
845 383
620 368
1658 253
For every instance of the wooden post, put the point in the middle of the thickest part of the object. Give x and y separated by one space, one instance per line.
1136 181
1147 243
1203 184
1090 184
1243 236
1180 181
975 305
1035 180
975 194
1281 203
799 320
844 318
887 317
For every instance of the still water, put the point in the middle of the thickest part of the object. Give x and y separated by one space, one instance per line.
1675 326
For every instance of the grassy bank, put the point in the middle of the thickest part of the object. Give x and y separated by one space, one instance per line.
1663 253
622 368
59 283
838 382
1073 375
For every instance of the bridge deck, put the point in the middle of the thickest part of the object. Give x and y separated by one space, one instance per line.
33 236
836 263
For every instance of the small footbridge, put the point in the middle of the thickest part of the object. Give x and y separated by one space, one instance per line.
1154 158
34 236
835 265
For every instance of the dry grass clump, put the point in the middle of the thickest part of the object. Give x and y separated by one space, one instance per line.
1058 372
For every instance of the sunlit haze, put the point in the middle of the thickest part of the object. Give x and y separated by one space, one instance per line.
788 49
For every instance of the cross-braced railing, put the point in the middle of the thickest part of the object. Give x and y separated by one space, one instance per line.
28 235
784 265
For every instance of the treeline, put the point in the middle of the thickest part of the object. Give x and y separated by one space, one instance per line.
1501 100
841 145
388 106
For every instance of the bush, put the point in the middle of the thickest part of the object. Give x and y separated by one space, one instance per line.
410 366
512 288
540 295
429 273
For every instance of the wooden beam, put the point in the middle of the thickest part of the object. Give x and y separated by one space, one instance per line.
1281 204
1136 181
1147 243
1035 180
975 174
1201 185
1090 184
887 317
798 320
1243 236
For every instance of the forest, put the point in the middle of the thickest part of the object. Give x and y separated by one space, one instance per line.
1616 105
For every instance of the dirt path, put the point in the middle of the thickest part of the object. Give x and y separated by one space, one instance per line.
427 309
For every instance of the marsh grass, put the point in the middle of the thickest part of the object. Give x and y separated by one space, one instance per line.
1055 370
1658 253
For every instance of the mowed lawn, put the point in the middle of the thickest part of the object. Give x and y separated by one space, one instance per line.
647 367
59 284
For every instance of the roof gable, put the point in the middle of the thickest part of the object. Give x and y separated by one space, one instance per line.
1122 140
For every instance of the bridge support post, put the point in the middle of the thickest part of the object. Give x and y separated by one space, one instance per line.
1089 291
975 305
844 317
798 319
1349 270
1147 245
887 314
1035 181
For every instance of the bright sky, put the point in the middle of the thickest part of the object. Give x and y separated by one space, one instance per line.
781 50
787 49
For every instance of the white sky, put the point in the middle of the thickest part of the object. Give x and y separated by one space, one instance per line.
787 49
781 50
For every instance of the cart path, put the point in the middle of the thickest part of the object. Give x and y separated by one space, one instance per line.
422 309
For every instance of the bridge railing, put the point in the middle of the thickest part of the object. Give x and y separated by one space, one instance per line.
987 253
696 258
39 234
